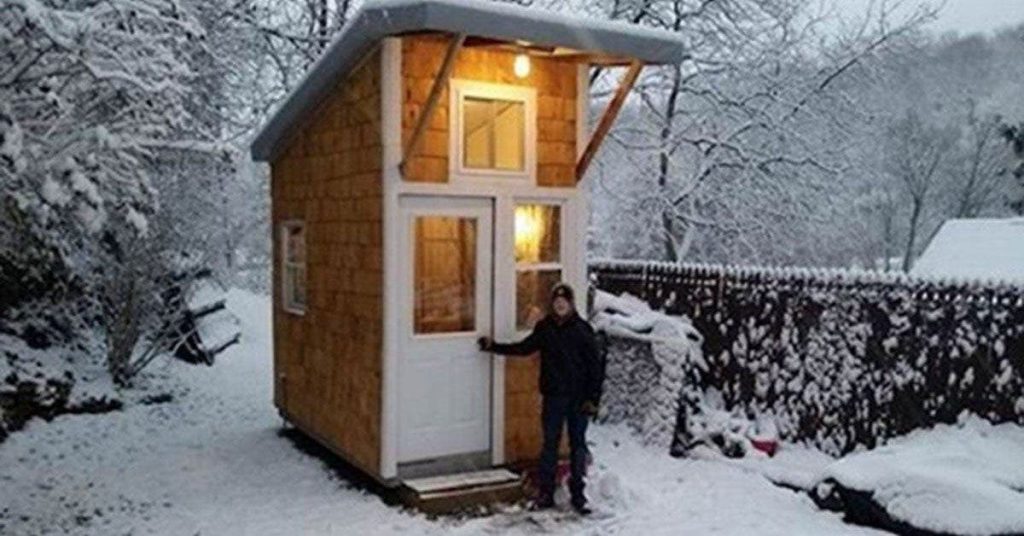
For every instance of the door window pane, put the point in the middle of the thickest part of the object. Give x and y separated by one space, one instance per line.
493 134
444 274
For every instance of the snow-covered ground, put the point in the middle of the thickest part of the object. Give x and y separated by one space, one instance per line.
212 462
966 478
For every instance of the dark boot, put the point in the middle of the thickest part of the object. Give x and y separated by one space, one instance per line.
580 505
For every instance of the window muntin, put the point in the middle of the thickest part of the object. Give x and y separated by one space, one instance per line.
493 134
444 274
294 266
538 256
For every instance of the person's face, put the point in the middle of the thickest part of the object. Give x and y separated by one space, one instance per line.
561 306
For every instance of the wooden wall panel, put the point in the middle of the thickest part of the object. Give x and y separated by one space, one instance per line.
555 80
327 362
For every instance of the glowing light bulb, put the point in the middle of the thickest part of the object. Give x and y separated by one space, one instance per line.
521 65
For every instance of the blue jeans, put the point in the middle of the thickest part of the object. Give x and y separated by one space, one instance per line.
556 411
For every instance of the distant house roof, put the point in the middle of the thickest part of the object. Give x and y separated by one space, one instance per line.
493 20
976 249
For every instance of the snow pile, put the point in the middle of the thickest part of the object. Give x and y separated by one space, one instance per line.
50 381
966 478
675 349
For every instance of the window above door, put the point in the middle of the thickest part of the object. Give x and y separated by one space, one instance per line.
492 132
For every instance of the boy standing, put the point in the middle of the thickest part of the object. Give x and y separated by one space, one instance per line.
570 382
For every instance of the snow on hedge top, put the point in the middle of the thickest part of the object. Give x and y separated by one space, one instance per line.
959 479
976 249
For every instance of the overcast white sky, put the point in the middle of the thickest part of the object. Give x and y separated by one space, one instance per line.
963 16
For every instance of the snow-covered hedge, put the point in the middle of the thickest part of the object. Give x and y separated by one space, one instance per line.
840 358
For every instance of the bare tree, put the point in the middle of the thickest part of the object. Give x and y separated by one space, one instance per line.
982 175
915 154
744 138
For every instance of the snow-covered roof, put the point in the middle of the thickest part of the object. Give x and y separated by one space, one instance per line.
976 249
377 19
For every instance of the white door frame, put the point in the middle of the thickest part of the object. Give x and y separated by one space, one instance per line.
437 345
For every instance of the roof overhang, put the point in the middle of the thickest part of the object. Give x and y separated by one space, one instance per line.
489 23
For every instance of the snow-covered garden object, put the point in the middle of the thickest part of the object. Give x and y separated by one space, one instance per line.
709 425
966 479
650 405
840 359
207 328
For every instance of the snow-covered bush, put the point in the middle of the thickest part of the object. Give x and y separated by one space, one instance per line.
111 168
840 359
648 393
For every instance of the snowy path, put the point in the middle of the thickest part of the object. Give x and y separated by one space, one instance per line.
212 462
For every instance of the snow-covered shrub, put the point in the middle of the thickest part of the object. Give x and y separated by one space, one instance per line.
110 165
648 393
840 359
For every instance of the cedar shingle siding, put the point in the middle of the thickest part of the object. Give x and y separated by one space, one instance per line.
327 363
555 81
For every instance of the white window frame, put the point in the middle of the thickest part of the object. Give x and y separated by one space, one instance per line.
459 89
287 285
539 266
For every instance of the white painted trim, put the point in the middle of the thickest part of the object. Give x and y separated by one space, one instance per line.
504 285
286 287
391 140
491 189
458 89
581 202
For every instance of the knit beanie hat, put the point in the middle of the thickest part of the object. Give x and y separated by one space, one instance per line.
562 290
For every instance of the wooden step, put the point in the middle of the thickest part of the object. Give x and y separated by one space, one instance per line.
462 491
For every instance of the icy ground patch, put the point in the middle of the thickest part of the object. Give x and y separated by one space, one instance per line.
211 462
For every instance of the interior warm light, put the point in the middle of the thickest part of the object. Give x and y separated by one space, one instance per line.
521 65
528 227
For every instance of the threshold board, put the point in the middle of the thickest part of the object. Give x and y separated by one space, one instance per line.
457 481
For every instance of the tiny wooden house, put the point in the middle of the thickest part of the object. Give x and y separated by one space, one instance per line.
426 190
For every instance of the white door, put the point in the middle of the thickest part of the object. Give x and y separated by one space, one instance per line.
444 381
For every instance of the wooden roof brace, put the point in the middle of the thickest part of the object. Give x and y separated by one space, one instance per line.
435 94
604 125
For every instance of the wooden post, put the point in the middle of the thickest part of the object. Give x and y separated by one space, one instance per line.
435 94
607 118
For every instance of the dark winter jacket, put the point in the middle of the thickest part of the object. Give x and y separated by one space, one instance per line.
570 364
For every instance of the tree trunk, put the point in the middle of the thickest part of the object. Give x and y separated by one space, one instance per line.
915 216
671 254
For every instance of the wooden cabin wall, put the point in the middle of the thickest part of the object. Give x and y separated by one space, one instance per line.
555 81
327 362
